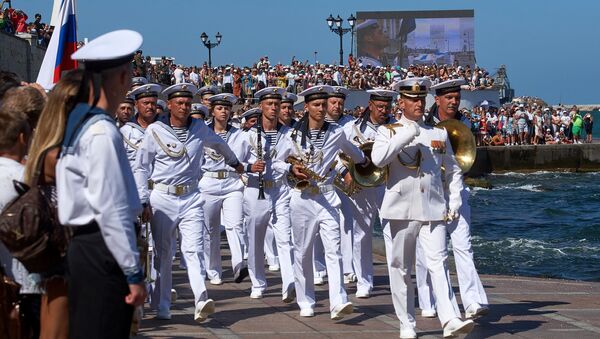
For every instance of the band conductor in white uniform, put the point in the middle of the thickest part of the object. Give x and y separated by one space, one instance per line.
167 171
414 206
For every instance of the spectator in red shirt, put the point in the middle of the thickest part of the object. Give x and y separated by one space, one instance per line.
19 20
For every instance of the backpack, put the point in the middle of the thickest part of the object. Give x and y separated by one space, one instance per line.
29 226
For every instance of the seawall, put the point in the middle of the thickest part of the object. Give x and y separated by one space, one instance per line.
22 55
582 157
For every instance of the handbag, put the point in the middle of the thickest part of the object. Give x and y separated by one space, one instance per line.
29 226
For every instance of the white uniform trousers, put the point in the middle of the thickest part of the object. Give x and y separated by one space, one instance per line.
149 269
469 284
169 212
229 206
274 210
312 214
319 266
365 206
346 234
270 247
346 240
400 242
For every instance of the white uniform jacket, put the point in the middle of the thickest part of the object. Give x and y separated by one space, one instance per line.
94 182
323 161
164 159
214 162
133 134
274 156
416 193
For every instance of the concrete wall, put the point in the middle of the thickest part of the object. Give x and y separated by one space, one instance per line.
583 157
22 55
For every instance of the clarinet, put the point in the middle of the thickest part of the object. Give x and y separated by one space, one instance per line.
259 156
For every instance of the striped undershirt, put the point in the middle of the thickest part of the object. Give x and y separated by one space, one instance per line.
271 137
223 135
182 133
317 137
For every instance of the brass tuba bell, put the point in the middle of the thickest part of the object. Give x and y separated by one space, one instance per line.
462 141
370 176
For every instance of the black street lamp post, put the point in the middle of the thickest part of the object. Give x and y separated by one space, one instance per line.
335 25
210 45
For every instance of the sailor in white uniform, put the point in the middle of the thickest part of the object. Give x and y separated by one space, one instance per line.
335 114
199 111
222 191
414 206
286 112
274 209
133 131
472 293
97 196
167 171
125 110
366 202
249 119
314 203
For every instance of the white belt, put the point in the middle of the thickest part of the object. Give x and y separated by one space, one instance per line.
220 174
316 189
178 190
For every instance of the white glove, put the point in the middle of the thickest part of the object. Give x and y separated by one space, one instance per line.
416 129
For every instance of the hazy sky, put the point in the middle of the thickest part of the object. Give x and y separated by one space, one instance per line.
551 48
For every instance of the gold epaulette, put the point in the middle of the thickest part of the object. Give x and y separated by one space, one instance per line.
391 127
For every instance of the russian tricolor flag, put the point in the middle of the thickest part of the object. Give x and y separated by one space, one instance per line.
62 44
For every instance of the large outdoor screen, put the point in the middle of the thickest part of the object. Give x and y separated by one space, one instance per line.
415 37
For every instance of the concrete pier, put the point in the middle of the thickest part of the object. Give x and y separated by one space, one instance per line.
580 157
520 307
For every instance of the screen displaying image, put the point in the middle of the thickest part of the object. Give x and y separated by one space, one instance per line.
422 37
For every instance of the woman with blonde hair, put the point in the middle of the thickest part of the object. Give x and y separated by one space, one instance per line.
45 147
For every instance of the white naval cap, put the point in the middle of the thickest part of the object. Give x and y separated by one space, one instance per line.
270 93
162 104
316 92
289 97
448 86
198 108
413 87
129 99
109 50
339 92
138 81
185 90
207 90
224 99
146 91
380 94
253 112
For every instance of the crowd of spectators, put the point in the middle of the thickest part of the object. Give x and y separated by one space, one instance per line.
244 81
529 124
14 21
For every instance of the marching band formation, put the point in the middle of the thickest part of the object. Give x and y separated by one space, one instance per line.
303 195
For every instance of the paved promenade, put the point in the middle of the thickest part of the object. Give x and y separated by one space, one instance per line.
520 308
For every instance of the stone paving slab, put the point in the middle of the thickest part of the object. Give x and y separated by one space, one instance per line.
520 307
